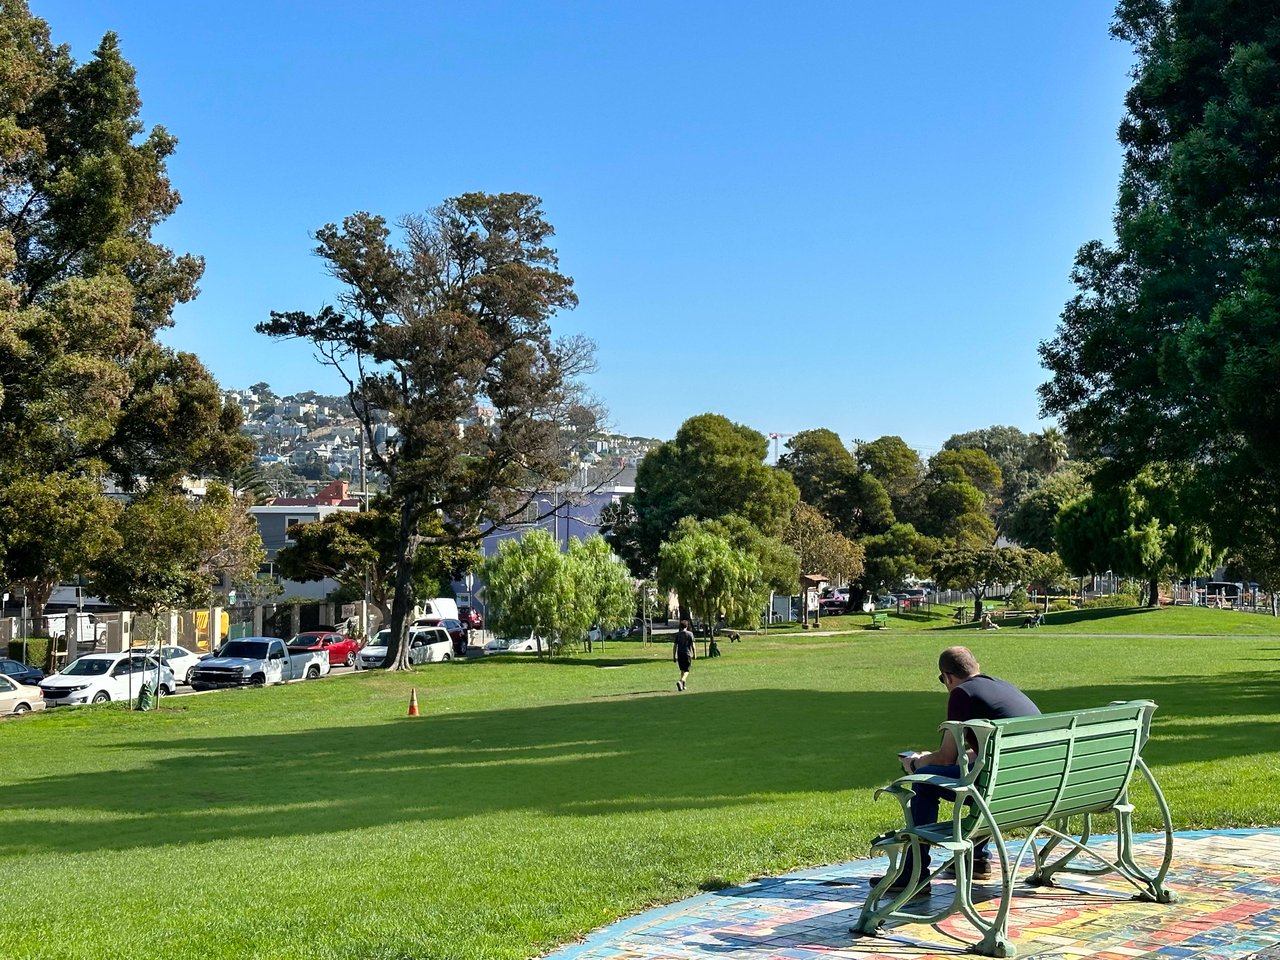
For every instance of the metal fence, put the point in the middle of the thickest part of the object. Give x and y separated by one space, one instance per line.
79 634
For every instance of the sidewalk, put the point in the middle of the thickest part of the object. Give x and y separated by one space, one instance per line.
1227 881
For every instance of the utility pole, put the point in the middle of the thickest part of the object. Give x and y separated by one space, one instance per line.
364 506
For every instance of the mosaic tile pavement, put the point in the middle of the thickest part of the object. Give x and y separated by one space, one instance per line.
1227 881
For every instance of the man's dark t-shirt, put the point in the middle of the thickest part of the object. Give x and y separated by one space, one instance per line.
684 645
986 698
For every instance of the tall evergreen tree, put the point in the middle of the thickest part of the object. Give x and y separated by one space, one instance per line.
712 468
86 391
1170 349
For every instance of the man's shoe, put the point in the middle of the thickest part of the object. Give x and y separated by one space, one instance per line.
899 885
981 870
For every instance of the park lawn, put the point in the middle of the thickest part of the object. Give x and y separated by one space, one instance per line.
534 801
1165 621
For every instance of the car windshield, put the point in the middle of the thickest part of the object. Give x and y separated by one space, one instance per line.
88 667
305 640
248 649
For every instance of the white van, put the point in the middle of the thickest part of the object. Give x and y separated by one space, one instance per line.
440 608
426 645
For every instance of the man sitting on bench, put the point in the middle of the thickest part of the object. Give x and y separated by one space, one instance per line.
972 695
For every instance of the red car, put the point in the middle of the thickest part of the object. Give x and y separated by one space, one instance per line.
342 650
471 618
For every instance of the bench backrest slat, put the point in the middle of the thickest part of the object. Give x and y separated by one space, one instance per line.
1055 765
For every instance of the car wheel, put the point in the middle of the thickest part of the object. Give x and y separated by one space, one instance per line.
164 691
447 656
21 708
351 660
101 696
187 678
313 672
257 680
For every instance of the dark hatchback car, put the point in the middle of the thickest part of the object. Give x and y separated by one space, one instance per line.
19 672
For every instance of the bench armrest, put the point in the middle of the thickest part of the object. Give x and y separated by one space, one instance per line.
903 788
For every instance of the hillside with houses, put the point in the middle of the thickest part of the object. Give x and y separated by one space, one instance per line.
304 441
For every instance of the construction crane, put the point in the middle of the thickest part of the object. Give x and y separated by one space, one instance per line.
776 437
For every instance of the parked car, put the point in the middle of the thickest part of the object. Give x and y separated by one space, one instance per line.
99 677
178 659
426 645
20 672
830 606
457 632
254 661
18 697
342 650
515 645
471 618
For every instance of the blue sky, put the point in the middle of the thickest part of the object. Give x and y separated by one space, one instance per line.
851 215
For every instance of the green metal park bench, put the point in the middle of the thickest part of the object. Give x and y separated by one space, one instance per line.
878 620
1028 775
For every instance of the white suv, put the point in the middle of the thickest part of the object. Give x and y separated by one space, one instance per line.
99 677
426 645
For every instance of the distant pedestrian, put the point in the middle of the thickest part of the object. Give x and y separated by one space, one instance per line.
682 652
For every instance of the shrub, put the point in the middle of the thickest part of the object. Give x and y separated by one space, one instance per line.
37 649
1017 597
1060 605
1113 600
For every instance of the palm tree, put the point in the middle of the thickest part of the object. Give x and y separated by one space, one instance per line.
247 480
1050 449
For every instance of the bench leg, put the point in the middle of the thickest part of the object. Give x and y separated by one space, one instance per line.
1150 884
995 932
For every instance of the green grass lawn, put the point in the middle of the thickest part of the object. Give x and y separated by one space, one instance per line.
534 801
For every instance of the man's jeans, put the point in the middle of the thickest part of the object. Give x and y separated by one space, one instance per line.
924 809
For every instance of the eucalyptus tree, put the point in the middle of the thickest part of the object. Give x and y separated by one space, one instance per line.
359 550
456 316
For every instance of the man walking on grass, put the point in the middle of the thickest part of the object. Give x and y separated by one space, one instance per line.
971 695
682 652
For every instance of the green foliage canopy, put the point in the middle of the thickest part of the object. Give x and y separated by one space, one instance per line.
533 588
1169 351
459 315
346 546
712 468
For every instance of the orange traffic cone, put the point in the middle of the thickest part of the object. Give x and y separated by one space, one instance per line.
413 702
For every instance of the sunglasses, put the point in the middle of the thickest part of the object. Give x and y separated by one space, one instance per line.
942 679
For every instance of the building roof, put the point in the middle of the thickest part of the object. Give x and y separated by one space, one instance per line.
334 495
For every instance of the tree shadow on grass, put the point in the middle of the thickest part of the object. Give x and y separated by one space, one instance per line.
690 752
